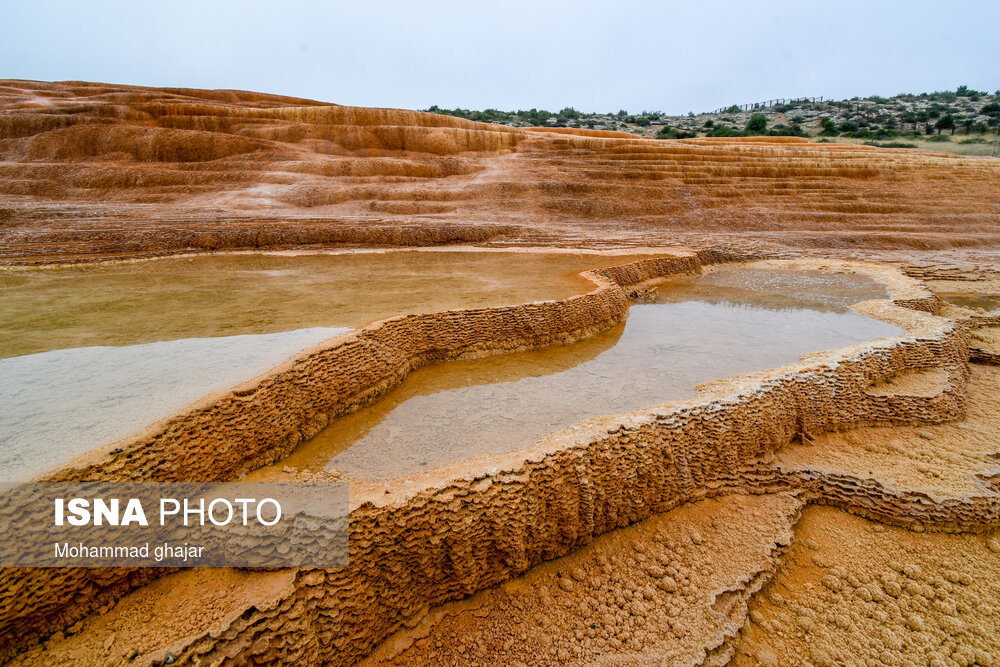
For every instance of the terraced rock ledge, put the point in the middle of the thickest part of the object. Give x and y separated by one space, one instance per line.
426 540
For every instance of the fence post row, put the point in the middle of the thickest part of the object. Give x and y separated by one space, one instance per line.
771 103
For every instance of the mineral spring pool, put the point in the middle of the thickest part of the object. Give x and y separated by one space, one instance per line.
209 296
988 302
729 321
92 355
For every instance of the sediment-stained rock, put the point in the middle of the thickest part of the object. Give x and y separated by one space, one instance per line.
985 345
178 607
96 170
445 535
670 590
856 592
940 461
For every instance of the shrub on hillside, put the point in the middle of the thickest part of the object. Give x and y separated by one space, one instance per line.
991 109
721 130
829 127
781 130
757 125
848 126
667 132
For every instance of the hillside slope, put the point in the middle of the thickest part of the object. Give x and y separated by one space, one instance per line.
98 170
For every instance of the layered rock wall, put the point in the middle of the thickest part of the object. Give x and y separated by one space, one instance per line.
127 171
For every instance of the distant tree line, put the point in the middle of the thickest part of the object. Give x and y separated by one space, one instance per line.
939 114
540 117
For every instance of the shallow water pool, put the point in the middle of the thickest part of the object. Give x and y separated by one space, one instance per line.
988 302
205 296
59 405
727 322
93 354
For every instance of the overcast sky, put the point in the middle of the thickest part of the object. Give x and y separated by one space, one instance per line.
595 56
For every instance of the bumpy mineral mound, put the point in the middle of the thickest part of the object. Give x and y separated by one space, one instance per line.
96 170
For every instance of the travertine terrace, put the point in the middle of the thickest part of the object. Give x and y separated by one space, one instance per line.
534 504
688 532
96 170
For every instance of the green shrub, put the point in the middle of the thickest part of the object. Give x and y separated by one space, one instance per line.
667 132
757 125
890 144
939 137
965 91
829 127
991 109
781 130
723 131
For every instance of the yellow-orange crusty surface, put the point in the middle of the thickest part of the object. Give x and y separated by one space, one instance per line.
96 170
842 509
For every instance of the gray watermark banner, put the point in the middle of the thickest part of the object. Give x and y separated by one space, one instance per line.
174 524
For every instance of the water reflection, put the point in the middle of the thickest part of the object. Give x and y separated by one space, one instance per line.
718 325
775 289
235 294
61 404
987 302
